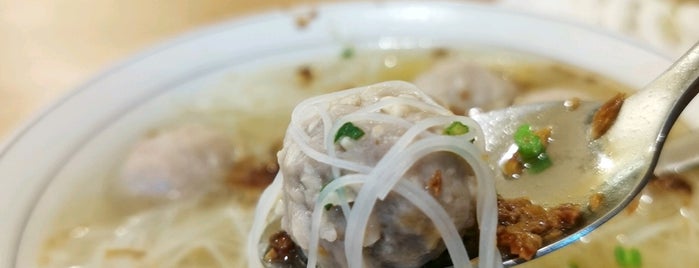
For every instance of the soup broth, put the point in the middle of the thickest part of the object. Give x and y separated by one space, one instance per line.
104 228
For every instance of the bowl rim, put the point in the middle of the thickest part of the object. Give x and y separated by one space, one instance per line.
9 253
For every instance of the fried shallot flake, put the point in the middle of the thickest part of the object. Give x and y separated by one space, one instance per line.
606 115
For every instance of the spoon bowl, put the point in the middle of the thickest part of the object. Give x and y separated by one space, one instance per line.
616 165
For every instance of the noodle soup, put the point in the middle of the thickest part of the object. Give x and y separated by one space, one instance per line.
183 193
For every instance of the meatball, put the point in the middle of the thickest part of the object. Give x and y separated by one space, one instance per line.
460 86
398 233
179 162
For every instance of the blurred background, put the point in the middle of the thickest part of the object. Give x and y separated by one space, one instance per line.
52 46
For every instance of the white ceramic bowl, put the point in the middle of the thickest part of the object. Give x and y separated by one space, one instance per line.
75 134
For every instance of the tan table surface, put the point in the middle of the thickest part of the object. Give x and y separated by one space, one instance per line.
48 47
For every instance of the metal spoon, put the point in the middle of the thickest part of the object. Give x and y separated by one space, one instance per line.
616 165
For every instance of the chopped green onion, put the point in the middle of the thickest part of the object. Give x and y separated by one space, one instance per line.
530 145
456 128
323 187
531 149
349 130
620 256
630 258
328 206
347 53
539 164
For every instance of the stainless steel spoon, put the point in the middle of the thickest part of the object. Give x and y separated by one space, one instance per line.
616 165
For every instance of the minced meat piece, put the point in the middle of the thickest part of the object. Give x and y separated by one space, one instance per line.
525 227
283 252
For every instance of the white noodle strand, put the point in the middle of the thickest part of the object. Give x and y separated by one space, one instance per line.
317 215
440 218
265 205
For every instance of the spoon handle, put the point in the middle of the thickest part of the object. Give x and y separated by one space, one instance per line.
647 116
632 145
677 87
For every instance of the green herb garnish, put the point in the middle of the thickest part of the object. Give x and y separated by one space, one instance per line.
531 149
627 258
456 128
530 145
323 187
349 130
328 206
347 53
541 163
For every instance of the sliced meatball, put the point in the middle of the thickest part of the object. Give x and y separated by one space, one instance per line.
460 86
178 162
398 233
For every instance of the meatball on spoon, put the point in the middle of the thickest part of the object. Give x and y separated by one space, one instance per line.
599 155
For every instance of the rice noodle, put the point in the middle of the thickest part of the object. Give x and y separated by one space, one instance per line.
316 217
264 207
187 233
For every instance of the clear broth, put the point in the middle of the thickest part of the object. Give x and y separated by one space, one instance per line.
256 122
